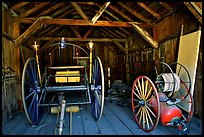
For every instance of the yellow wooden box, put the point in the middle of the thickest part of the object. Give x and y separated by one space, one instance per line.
59 79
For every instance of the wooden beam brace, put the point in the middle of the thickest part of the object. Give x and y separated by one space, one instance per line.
61 11
166 5
99 13
19 5
149 10
133 12
120 12
109 13
194 11
37 7
87 33
81 13
31 30
81 39
146 36
75 31
83 23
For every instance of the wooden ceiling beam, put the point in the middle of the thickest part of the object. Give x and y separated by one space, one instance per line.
19 5
99 13
81 13
31 30
87 33
149 10
50 9
133 12
194 11
166 5
27 13
81 39
109 13
146 36
120 12
83 23
61 11
75 31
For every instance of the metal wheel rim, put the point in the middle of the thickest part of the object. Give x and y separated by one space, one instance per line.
27 85
184 97
145 92
97 99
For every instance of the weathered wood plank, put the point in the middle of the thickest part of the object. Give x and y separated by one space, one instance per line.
89 124
146 36
165 5
8 127
19 5
100 12
81 39
119 127
78 9
136 14
119 46
83 23
35 129
149 10
77 125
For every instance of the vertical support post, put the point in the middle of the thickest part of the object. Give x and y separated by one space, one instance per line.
127 65
90 71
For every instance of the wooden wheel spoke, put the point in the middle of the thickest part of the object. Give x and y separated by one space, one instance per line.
143 88
151 105
143 119
30 94
138 91
150 111
137 95
148 93
149 117
138 111
146 86
141 115
147 120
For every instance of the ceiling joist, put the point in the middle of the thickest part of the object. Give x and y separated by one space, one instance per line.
83 23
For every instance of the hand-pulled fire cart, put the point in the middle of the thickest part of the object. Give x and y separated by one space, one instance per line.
168 98
54 87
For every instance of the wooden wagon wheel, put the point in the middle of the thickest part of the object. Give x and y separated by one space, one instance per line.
143 91
97 89
31 92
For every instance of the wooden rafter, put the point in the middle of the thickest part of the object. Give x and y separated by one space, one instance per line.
50 9
31 30
81 39
87 33
65 13
149 10
75 31
61 11
47 45
121 34
135 13
120 12
83 23
27 13
19 5
52 31
109 13
146 36
81 13
110 33
194 11
99 13
166 5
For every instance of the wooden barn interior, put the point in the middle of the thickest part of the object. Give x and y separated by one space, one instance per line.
130 38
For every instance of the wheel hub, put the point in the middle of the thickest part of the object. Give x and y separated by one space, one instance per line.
142 103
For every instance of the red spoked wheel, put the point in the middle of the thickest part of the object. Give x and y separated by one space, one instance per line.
185 102
143 91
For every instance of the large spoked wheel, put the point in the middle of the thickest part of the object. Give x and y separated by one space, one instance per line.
31 92
145 112
185 102
97 89
183 74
